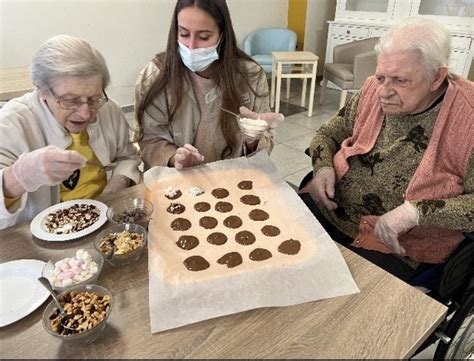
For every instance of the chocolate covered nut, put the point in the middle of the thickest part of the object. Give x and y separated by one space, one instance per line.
180 224
231 259
172 193
196 263
217 238
270 231
290 247
224 207
232 222
208 222
260 254
245 185
176 208
187 242
202 206
220 193
250 200
245 238
258 215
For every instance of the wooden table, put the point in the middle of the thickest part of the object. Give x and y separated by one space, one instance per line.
387 319
305 63
14 82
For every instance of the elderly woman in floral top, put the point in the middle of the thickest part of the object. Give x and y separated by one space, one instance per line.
393 170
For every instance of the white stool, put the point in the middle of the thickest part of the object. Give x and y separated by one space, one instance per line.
304 61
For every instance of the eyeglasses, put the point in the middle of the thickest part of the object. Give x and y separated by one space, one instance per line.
73 103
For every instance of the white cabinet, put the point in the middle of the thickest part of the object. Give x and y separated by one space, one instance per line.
361 19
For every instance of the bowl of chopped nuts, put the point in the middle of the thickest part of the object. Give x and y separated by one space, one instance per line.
79 267
121 244
131 210
87 309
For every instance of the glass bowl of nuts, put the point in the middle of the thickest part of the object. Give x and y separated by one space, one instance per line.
79 267
87 309
131 210
121 244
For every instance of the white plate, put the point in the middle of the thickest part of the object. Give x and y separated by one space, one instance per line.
37 224
21 293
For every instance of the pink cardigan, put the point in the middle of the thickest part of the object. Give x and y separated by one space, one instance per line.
440 174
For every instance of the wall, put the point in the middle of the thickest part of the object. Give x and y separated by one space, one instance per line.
318 12
127 32
297 20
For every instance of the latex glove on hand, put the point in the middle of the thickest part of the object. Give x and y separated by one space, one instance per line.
321 187
46 166
116 183
398 221
187 156
273 119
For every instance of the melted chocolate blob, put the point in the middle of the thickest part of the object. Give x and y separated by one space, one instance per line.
232 222
180 224
245 185
224 207
217 238
260 254
250 200
202 206
291 247
271 231
232 259
196 263
187 242
176 208
258 215
220 193
176 196
208 222
245 238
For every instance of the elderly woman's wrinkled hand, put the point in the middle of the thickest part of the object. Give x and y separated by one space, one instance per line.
321 187
394 223
273 119
187 156
46 166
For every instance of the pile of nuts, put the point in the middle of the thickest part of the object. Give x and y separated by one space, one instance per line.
131 216
71 219
122 242
84 310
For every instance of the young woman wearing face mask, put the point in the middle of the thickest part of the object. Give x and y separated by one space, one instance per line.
180 94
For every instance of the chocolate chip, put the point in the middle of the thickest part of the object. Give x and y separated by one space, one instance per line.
232 222
176 208
217 238
250 200
187 242
224 207
245 185
258 215
231 259
196 263
208 222
245 238
202 206
270 231
220 193
291 246
260 254
175 196
180 224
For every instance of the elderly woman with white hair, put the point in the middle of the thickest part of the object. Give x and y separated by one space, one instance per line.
56 140
394 170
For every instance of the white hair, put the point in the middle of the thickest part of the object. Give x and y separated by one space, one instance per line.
65 55
429 38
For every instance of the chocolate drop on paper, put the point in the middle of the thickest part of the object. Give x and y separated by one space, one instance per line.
217 238
290 247
208 222
245 185
232 222
270 231
260 254
176 208
258 215
196 263
250 200
187 242
224 207
220 193
245 238
180 224
202 206
232 259
176 196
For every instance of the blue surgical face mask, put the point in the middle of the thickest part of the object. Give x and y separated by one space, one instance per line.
199 59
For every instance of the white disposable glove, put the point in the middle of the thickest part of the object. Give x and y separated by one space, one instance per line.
46 166
187 156
273 119
398 221
321 187
116 183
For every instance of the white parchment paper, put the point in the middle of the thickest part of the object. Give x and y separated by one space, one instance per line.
179 297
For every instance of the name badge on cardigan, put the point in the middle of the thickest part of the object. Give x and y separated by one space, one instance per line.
72 181
211 96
